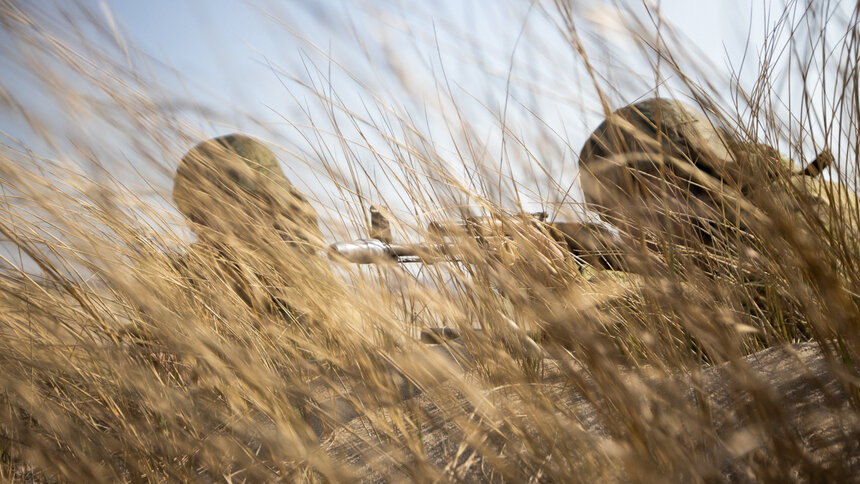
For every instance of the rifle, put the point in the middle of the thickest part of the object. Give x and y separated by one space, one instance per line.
591 243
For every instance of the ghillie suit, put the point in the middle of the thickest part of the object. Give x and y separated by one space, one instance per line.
708 204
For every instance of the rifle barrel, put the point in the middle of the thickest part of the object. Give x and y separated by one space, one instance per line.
361 251
592 243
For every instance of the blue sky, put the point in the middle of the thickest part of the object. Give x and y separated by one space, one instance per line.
240 65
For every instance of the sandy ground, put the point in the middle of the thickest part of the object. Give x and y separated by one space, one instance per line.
794 378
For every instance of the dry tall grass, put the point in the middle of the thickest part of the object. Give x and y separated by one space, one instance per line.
119 364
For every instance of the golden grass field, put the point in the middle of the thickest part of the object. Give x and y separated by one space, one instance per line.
732 360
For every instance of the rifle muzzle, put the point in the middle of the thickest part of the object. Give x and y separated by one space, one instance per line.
362 251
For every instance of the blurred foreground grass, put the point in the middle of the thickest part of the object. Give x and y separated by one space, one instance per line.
119 367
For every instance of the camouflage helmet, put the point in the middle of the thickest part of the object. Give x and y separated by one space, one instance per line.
657 153
234 176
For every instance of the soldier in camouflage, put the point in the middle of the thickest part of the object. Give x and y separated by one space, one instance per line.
232 186
248 218
252 225
673 182
649 167
660 169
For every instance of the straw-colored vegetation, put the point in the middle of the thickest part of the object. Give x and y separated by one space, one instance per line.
127 353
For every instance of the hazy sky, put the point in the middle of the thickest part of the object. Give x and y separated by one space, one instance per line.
241 65
224 50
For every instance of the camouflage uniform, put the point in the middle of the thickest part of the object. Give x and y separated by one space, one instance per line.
248 218
240 203
660 171
649 166
660 164
225 183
